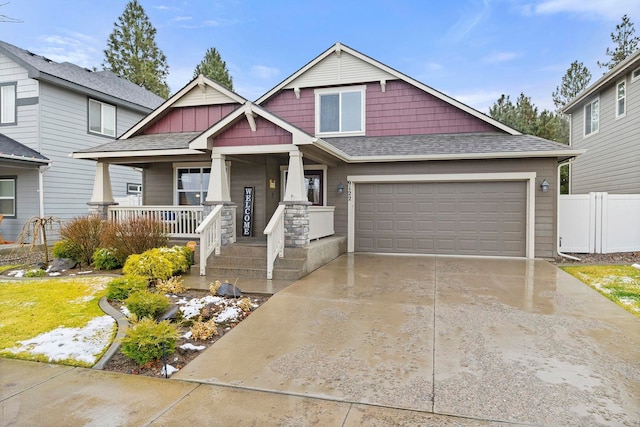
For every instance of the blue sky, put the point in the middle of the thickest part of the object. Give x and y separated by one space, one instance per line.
472 50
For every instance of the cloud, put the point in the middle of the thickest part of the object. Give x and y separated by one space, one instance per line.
433 66
264 72
610 9
76 48
477 12
481 100
183 18
500 57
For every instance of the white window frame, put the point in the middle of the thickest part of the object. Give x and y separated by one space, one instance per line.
620 115
284 171
13 119
584 128
14 180
103 112
635 75
200 165
339 91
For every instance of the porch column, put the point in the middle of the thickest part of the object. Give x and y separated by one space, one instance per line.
102 196
295 189
218 194
296 214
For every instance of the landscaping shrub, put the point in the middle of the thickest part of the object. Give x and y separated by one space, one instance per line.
120 288
65 249
156 264
107 259
83 234
201 330
146 304
134 236
187 252
173 285
36 272
143 342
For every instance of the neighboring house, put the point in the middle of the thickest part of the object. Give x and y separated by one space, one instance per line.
605 121
47 111
348 145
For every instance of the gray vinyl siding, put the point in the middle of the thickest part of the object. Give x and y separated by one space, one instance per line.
68 184
157 185
545 211
247 175
612 161
26 201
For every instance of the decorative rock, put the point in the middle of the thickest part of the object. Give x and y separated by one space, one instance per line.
169 314
61 264
228 290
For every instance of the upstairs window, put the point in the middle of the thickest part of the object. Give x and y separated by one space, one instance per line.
621 99
8 196
102 118
635 75
8 104
591 117
340 110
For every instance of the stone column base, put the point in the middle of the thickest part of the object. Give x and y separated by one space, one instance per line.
296 224
228 226
101 209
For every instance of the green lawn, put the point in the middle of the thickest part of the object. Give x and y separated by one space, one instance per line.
30 308
619 283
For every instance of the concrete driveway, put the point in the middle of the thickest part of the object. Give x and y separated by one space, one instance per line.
488 340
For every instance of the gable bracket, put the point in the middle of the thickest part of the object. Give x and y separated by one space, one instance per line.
251 117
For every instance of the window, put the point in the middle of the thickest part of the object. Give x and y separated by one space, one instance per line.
340 111
133 188
192 185
8 104
591 117
102 118
8 196
621 99
635 75
314 182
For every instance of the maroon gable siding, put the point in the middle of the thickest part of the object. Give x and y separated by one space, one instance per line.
241 134
402 109
190 119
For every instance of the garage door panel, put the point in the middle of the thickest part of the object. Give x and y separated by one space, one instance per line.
472 218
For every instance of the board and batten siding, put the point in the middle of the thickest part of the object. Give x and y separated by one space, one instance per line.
402 109
68 184
612 161
545 209
190 119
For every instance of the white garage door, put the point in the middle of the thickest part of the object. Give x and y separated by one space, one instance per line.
464 218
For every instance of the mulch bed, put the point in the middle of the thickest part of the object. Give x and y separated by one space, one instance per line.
600 259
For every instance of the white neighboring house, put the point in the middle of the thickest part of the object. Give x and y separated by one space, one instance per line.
47 111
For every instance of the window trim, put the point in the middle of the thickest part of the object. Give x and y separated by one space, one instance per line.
115 118
584 111
618 114
284 171
339 91
15 104
13 178
194 165
635 75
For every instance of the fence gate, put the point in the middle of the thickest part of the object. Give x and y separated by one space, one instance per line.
599 223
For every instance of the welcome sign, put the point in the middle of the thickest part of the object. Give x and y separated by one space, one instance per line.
247 212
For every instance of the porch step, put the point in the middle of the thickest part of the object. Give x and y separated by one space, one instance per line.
230 274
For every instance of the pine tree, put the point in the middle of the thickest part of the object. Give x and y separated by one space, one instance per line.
213 67
575 80
133 53
625 43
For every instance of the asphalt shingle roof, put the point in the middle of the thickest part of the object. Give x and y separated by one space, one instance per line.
13 150
104 82
442 144
160 141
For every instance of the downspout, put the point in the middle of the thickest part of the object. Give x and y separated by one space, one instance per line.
42 170
558 214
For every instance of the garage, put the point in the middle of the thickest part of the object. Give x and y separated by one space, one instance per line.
487 218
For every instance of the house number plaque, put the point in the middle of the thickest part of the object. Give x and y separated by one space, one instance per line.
247 211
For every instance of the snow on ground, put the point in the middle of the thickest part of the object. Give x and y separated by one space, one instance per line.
81 344
191 308
189 346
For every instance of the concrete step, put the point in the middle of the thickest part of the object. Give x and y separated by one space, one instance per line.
231 274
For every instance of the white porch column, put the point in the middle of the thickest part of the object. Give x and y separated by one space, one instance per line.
295 189
102 193
218 190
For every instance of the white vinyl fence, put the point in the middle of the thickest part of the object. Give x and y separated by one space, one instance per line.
599 223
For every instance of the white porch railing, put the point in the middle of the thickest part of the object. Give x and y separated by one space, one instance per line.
210 236
275 239
321 221
178 221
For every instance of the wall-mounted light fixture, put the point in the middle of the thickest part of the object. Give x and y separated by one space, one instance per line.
544 186
340 188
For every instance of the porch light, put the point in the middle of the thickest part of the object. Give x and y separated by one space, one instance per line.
544 186
340 188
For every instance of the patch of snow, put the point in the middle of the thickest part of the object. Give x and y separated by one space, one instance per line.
85 272
635 266
81 344
189 346
57 273
191 308
627 279
125 311
170 370
229 313
17 273
187 335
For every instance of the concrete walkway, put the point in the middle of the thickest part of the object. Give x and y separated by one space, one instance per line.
378 340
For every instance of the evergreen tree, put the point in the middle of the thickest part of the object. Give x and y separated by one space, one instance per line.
133 53
213 67
575 80
625 43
